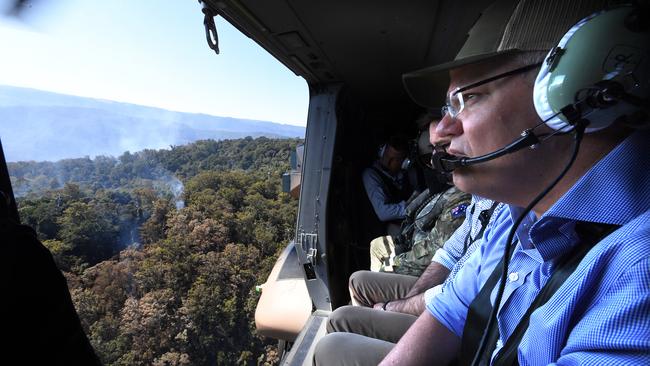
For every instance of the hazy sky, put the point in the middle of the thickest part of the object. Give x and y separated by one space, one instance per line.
147 52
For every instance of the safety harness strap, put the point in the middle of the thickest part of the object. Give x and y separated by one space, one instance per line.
478 315
479 310
393 192
589 234
484 217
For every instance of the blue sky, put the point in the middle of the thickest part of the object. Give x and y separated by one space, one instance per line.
147 52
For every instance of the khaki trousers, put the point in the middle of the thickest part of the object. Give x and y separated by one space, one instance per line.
360 335
382 252
339 349
384 325
368 288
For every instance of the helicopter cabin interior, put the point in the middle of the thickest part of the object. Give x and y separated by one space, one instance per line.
352 55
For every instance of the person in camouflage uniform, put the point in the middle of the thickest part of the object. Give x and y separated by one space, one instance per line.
430 219
426 228
430 236
388 303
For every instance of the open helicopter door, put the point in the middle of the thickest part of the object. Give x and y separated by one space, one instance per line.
302 267
6 192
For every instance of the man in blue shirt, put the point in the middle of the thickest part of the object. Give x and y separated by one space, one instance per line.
387 186
599 315
355 328
391 302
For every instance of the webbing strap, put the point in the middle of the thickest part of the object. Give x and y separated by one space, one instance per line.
589 234
429 219
479 310
478 315
484 218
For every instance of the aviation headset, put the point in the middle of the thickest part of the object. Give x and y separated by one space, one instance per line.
598 74
406 163
599 69
381 150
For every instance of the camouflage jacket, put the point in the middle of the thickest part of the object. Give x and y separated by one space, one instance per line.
430 234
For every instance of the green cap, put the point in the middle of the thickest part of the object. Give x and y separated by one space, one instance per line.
505 27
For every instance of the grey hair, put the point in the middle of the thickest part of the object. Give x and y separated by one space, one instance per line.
529 57
525 58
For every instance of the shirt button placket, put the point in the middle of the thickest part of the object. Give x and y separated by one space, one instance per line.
513 277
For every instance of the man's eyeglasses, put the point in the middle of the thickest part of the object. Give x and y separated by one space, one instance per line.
456 103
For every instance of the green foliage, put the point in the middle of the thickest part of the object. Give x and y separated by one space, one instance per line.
41 214
247 154
88 228
157 285
218 306
153 229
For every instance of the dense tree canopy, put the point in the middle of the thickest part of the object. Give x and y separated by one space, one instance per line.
162 275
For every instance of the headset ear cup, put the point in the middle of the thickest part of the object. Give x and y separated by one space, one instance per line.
540 97
601 68
540 90
380 152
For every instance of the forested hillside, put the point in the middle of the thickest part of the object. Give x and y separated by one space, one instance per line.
162 249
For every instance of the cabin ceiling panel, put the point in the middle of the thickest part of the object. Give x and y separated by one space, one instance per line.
365 44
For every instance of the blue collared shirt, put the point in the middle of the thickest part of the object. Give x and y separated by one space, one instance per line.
453 253
374 186
601 315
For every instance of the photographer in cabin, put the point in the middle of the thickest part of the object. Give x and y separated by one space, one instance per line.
387 185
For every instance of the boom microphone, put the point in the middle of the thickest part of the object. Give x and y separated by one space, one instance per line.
444 162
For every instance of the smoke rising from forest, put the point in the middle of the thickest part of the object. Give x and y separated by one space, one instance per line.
43 126
149 280
176 187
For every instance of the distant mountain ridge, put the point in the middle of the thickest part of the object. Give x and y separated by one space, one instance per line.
40 125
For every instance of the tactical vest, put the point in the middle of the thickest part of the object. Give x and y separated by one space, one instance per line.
393 193
434 224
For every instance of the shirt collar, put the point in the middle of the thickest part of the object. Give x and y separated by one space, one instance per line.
523 231
481 203
614 191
